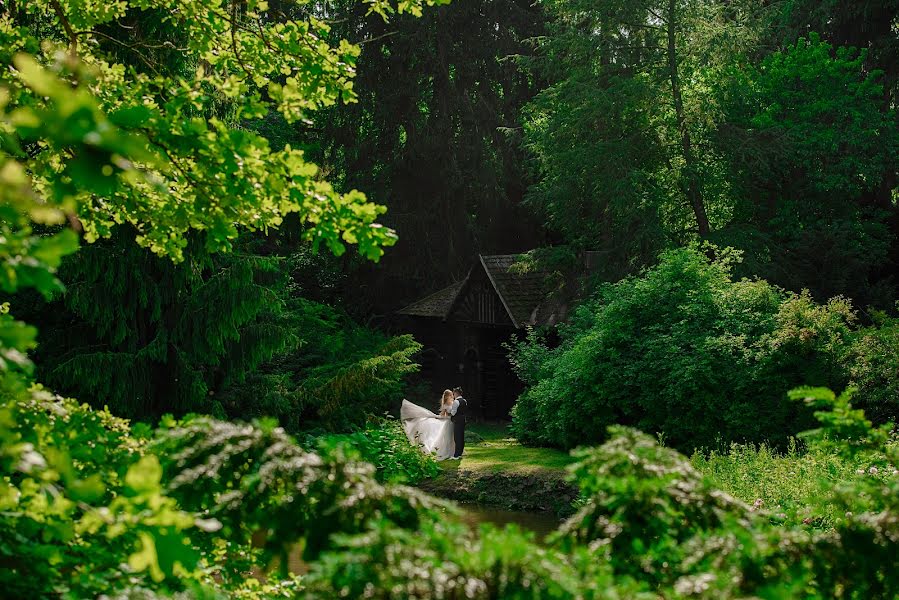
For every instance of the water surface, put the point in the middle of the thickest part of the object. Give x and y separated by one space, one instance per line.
540 523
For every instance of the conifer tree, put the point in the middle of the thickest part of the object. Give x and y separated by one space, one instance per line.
146 336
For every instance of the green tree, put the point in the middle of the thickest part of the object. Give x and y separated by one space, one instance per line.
342 375
620 137
145 336
807 142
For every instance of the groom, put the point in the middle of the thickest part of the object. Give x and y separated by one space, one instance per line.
457 414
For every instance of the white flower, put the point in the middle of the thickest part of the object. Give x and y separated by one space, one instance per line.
694 585
873 470
30 459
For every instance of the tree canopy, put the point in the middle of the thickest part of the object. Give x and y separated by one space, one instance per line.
664 122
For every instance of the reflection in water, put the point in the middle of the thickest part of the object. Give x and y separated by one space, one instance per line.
540 523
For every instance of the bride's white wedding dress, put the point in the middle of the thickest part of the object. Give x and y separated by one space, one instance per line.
425 429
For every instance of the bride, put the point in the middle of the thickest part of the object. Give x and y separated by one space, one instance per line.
434 433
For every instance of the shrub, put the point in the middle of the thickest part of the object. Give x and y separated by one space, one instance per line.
653 517
80 499
444 560
644 503
254 477
342 374
682 350
873 364
383 443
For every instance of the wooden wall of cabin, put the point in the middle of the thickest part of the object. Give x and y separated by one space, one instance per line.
497 385
469 355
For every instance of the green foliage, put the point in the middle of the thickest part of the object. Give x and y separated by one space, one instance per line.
81 496
682 350
815 98
384 444
645 504
651 515
442 560
790 486
808 141
856 24
664 120
621 136
255 478
134 145
872 361
220 334
363 383
79 499
144 336
342 374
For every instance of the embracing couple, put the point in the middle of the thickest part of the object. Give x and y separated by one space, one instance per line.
442 434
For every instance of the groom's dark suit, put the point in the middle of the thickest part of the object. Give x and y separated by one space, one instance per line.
459 426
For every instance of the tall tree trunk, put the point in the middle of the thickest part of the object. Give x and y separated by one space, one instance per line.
694 194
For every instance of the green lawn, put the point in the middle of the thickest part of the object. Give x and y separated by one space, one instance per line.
490 448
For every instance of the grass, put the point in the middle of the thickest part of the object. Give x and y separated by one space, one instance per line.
490 448
497 471
793 484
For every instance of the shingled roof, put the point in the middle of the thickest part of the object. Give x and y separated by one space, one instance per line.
523 294
437 304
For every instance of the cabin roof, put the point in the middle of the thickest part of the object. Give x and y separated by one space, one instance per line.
437 304
522 293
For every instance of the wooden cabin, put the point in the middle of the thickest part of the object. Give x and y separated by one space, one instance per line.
464 326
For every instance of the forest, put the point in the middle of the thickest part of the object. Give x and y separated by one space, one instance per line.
212 211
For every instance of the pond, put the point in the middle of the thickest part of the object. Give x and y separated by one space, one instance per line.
540 523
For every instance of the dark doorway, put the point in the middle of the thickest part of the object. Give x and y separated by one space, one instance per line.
472 380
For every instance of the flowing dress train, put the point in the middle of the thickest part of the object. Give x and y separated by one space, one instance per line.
425 429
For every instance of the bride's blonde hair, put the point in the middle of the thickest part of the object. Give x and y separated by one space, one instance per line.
447 398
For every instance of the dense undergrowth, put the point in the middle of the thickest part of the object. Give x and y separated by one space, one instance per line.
383 444
687 351
788 484
199 505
